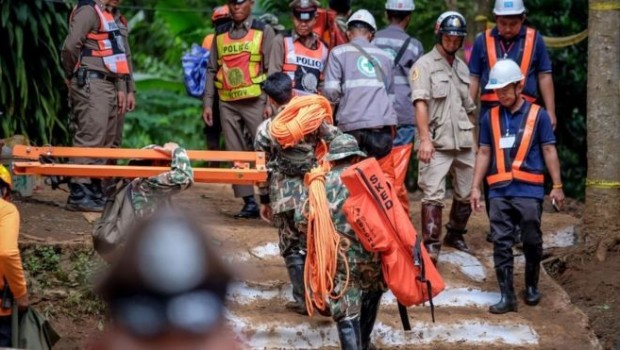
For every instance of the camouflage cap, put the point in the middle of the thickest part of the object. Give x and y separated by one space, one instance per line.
342 146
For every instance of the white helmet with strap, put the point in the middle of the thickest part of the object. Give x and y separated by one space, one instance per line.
400 5
363 16
508 8
504 72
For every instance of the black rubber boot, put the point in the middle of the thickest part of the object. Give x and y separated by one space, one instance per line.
295 266
249 210
370 308
96 188
508 302
81 199
533 256
459 215
349 334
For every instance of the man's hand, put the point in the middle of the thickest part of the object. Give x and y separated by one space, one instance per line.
426 151
558 195
207 116
122 102
131 101
474 200
23 303
266 213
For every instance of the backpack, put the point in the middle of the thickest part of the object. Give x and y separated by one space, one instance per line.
327 28
118 215
195 70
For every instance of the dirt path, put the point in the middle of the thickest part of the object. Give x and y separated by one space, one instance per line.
257 311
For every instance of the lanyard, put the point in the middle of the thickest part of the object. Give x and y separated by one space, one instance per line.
507 122
504 49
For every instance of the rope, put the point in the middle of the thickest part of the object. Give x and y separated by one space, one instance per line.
323 242
303 115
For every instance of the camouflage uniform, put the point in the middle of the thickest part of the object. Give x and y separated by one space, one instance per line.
147 194
285 191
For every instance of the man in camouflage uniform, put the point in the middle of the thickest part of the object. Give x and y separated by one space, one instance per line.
281 195
144 195
356 311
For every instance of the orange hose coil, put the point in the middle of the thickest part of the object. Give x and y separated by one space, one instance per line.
323 242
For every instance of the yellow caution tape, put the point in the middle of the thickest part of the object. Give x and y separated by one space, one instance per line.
606 6
602 184
551 42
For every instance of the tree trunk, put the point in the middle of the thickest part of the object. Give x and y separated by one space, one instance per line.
601 219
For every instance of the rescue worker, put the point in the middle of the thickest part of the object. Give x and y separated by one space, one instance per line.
95 64
356 311
167 290
512 39
516 143
11 271
301 55
237 66
359 80
445 142
405 51
221 16
130 85
146 195
281 195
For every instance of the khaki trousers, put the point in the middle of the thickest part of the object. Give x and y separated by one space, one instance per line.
432 175
239 118
94 117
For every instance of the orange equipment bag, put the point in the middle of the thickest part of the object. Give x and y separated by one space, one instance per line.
401 156
327 29
382 225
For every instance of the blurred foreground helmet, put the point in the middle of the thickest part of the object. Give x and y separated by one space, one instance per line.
5 176
167 277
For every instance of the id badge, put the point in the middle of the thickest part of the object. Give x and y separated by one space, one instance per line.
507 141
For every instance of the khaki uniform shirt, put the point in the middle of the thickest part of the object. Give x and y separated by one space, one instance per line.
445 88
84 20
238 30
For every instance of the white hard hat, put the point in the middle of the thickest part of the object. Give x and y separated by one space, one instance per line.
400 5
508 7
504 72
363 16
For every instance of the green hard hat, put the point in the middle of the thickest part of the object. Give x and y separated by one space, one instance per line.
343 146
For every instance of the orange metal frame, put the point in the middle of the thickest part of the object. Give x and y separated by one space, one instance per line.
249 166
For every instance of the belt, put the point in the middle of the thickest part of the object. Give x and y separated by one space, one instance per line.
93 74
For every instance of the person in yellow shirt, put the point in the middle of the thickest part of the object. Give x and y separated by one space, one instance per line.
13 281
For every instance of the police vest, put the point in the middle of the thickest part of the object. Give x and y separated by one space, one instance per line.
504 172
109 40
525 63
240 62
304 66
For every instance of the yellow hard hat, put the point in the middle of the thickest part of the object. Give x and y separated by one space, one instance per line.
5 176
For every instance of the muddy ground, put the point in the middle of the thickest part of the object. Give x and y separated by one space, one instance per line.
592 286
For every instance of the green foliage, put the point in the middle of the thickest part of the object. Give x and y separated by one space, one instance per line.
165 116
42 260
31 89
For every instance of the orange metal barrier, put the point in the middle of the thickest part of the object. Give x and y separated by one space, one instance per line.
249 166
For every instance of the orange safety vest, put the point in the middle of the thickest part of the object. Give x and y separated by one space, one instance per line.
240 62
526 61
109 41
304 66
503 173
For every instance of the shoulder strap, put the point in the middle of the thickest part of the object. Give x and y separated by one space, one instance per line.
257 24
373 61
223 28
402 50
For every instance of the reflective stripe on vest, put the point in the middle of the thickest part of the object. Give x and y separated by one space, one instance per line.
110 43
503 173
526 61
300 62
240 63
